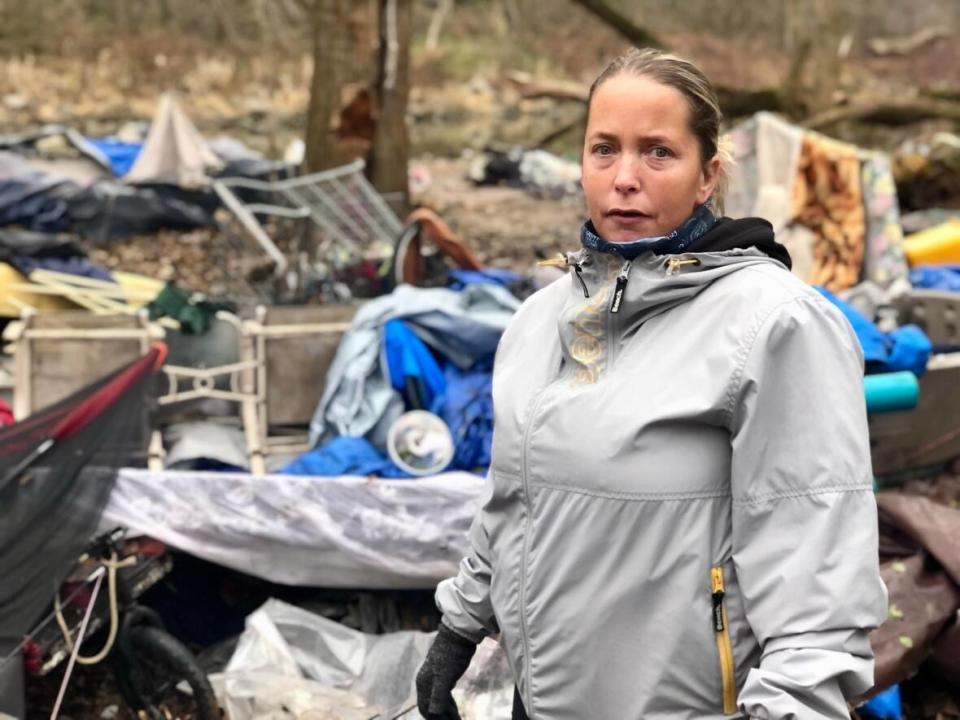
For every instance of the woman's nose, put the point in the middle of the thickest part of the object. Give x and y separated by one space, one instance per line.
627 178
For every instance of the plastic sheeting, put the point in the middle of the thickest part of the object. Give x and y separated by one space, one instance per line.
936 277
290 663
346 532
111 210
32 198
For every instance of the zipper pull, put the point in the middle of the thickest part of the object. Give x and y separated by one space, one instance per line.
718 590
577 268
676 262
620 287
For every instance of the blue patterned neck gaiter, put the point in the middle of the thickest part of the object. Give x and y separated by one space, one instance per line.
693 228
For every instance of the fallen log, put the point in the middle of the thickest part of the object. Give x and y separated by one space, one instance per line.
908 44
886 111
734 102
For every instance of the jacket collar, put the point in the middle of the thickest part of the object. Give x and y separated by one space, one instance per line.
648 286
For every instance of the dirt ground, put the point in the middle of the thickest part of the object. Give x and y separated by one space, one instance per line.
507 227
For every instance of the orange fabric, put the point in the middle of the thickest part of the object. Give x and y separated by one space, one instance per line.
447 241
827 198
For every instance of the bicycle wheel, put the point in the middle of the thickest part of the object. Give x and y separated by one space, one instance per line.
158 664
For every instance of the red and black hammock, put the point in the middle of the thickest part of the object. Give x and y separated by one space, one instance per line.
57 468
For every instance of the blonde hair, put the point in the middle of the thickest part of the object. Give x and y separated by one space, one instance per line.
685 77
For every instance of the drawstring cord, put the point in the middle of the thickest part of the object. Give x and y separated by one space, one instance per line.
112 565
564 261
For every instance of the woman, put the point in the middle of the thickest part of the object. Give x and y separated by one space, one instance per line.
679 520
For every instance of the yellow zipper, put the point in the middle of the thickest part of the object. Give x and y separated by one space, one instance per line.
721 629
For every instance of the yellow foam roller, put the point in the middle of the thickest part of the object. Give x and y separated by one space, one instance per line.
938 245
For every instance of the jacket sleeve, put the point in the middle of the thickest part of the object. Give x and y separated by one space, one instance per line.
464 600
805 539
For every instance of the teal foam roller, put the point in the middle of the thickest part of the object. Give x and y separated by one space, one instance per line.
890 392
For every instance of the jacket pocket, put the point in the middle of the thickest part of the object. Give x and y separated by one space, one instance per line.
721 631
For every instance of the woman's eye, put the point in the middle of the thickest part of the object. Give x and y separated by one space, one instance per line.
661 152
603 150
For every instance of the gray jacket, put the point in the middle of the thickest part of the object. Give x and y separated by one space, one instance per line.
679 521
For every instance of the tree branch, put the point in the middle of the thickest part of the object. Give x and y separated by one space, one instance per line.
621 23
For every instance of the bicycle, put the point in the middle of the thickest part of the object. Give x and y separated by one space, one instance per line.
157 675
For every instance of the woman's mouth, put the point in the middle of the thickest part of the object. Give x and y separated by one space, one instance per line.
626 214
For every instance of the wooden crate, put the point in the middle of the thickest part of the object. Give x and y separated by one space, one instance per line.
294 347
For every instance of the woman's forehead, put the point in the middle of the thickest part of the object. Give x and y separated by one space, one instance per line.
638 105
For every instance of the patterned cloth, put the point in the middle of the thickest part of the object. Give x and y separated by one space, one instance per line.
827 199
884 262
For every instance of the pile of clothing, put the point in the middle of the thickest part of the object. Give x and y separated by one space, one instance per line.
414 349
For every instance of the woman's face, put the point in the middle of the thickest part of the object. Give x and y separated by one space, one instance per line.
642 172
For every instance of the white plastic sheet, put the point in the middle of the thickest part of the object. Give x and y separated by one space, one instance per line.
347 532
292 663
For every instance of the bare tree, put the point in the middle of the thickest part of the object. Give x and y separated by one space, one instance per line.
391 144
328 18
813 29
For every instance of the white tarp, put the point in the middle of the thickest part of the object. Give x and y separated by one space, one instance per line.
290 663
174 152
349 532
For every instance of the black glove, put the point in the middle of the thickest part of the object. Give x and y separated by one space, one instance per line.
447 659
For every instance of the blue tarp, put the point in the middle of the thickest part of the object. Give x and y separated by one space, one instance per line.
121 154
884 706
413 371
344 456
906 348
79 266
467 409
936 277
459 279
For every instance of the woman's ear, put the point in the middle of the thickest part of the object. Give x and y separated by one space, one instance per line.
709 177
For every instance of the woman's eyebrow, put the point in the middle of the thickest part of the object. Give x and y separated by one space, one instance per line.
655 140
609 137
642 139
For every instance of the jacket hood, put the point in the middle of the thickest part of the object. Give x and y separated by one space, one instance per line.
637 290
609 298
729 234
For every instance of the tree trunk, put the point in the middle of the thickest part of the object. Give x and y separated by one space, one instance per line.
391 146
621 23
814 29
329 27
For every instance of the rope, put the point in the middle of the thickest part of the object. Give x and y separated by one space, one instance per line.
73 656
112 565
44 621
